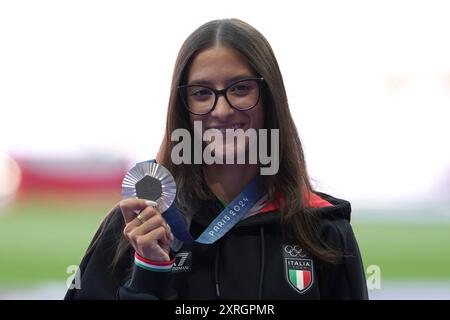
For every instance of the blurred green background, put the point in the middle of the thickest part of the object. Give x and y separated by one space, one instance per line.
40 239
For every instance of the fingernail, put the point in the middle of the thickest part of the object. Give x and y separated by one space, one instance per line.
150 203
171 236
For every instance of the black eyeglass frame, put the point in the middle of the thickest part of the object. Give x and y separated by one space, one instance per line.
218 93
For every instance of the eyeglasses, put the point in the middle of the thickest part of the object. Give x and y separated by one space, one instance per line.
241 95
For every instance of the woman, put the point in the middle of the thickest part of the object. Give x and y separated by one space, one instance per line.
297 245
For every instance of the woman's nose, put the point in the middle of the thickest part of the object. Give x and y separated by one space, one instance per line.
222 108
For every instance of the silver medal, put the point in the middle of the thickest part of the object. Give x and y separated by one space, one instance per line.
150 181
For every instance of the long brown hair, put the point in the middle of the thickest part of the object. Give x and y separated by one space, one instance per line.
292 181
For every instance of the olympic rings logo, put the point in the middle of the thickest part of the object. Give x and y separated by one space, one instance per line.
294 251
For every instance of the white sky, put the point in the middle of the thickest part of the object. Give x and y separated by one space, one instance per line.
368 83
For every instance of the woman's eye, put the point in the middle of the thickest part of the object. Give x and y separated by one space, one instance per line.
201 93
240 89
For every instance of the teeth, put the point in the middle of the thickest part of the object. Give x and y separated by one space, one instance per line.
234 127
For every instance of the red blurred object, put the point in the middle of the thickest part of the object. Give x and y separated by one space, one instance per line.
78 175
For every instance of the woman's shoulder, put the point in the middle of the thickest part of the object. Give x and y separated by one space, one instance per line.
114 215
334 218
328 207
110 229
114 221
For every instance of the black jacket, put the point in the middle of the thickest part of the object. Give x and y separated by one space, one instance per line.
252 261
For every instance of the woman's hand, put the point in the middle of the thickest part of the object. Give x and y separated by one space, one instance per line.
150 235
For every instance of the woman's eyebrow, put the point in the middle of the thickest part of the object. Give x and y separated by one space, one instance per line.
240 77
200 81
203 81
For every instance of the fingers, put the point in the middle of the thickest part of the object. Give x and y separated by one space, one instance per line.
128 207
145 215
169 232
150 235
153 220
153 245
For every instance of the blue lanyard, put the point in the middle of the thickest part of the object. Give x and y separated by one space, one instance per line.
226 220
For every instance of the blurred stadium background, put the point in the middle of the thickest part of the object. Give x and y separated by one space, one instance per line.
83 92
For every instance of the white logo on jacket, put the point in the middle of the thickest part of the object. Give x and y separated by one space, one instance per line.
183 262
299 269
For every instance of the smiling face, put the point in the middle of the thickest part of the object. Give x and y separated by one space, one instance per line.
218 67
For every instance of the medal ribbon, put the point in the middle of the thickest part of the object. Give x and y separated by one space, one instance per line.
223 223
